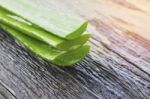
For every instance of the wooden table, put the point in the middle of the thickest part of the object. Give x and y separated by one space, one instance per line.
117 67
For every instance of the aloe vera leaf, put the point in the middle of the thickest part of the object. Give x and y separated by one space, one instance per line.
61 25
75 43
73 56
62 58
29 29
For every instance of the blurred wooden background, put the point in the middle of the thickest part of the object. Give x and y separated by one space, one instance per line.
117 67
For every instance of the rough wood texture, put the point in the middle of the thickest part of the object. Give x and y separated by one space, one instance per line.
117 67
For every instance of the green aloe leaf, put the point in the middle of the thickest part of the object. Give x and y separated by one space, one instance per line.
28 28
62 58
61 25
58 38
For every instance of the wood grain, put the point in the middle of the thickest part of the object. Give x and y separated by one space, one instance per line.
117 67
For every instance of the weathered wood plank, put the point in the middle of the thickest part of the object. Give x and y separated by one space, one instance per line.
118 65
31 78
5 92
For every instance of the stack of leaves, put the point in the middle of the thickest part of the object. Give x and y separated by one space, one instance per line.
56 37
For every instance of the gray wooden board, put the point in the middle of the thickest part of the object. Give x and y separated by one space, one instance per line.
119 70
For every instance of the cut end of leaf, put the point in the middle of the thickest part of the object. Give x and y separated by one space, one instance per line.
72 57
78 31
75 43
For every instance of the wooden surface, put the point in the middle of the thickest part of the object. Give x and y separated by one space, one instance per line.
117 67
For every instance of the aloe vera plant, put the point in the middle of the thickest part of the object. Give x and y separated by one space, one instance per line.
55 37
